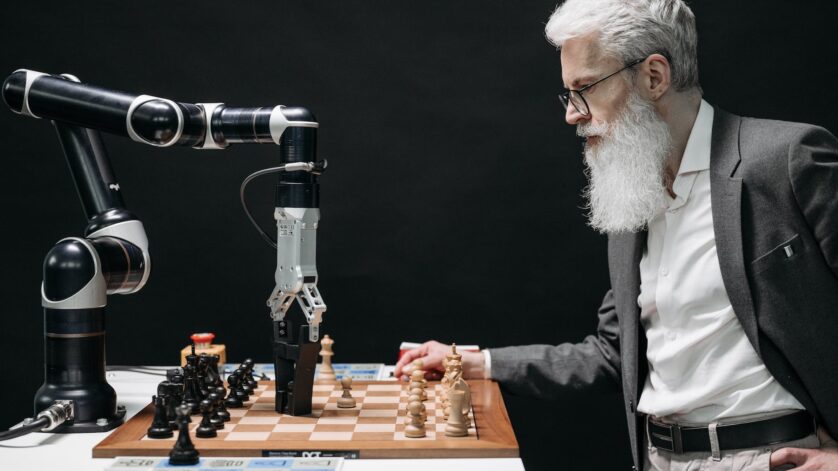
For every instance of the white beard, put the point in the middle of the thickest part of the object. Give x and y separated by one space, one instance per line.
625 168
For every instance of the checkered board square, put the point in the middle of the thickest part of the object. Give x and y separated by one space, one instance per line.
374 428
380 414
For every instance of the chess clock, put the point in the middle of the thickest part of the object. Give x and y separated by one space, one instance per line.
113 257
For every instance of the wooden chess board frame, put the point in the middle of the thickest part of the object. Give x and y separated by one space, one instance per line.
491 436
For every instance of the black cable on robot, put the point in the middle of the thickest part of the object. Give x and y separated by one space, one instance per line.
34 426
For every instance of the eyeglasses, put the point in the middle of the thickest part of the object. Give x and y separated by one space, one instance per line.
575 98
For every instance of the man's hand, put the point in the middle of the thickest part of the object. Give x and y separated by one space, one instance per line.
432 353
824 458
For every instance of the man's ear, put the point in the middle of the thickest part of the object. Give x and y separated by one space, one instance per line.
656 76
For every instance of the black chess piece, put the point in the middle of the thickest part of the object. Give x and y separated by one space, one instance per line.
215 417
190 376
223 389
221 410
177 389
241 387
244 384
192 368
213 376
169 389
173 393
206 429
172 372
184 452
178 380
203 375
248 368
191 394
233 401
160 427
192 358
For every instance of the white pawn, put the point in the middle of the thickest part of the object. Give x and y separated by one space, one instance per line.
416 427
419 365
424 414
346 401
417 381
442 395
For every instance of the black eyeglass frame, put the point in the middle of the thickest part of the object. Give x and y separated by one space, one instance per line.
565 97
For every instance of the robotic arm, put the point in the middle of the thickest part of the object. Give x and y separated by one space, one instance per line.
151 120
113 256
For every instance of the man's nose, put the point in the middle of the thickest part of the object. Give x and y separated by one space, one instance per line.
572 116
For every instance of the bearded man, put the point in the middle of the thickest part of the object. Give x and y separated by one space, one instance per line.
723 255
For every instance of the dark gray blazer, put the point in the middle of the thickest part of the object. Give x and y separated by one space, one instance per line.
773 184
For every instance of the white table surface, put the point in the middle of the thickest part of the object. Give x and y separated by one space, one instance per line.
73 451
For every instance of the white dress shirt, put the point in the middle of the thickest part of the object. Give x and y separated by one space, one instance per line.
701 365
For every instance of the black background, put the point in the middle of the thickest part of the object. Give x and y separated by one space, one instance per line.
451 207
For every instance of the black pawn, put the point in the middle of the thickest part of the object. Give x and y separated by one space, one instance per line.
248 368
233 401
244 385
241 392
215 417
221 410
212 373
160 427
184 452
206 429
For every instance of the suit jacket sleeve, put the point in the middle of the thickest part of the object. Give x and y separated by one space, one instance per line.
541 370
813 171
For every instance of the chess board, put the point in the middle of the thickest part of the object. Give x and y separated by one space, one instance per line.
372 429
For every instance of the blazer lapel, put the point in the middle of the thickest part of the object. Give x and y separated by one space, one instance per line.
726 200
626 252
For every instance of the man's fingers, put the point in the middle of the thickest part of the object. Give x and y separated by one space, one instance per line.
795 456
408 357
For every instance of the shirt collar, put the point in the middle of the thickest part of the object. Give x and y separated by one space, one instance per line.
696 155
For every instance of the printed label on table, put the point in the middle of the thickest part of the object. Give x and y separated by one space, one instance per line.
320 462
347 454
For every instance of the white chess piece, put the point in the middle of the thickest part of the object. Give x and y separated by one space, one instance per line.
415 398
452 362
346 401
416 427
327 372
417 381
419 365
456 425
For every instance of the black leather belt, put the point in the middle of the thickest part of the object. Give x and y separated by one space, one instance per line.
685 439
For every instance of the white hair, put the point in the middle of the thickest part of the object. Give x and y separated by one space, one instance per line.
628 30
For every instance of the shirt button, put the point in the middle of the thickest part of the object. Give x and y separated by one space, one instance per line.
671 336
664 271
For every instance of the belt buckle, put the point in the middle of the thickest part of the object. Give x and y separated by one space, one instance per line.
673 437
